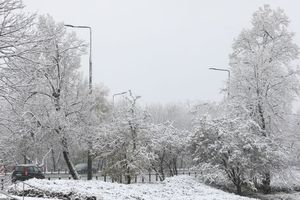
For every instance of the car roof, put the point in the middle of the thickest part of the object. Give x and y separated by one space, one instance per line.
26 165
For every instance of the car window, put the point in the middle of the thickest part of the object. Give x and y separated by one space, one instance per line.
37 170
31 169
19 169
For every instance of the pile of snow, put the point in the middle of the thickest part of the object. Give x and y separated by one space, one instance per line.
175 188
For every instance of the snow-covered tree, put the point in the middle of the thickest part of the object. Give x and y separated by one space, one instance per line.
52 101
16 33
168 144
125 141
262 76
233 144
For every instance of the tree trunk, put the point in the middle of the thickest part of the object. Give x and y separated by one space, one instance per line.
128 177
170 169
267 180
70 165
25 159
239 189
238 182
175 166
89 165
53 160
181 162
267 183
256 185
161 166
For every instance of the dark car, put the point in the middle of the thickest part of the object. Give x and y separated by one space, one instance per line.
81 168
25 172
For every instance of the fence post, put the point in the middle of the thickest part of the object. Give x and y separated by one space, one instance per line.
2 184
49 178
121 179
96 177
156 176
23 190
149 176
69 178
143 180
58 178
189 173
195 174
104 177
135 178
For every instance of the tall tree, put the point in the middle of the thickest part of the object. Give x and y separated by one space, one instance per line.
50 99
262 76
15 34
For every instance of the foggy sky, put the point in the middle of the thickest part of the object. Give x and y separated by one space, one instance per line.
161 49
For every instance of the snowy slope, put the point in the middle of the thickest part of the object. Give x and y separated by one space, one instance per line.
175 188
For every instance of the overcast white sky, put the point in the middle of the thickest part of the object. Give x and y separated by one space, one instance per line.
162 49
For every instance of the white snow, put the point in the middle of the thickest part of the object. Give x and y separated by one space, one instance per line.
175 188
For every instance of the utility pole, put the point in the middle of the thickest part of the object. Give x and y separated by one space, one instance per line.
89 156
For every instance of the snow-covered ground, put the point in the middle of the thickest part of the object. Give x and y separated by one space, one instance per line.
175 188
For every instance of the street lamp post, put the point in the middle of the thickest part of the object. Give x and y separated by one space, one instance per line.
90 57
89 156
113 97
224 70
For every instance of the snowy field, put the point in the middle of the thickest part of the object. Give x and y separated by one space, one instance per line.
175 188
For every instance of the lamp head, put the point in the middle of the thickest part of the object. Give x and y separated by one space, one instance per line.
69 25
